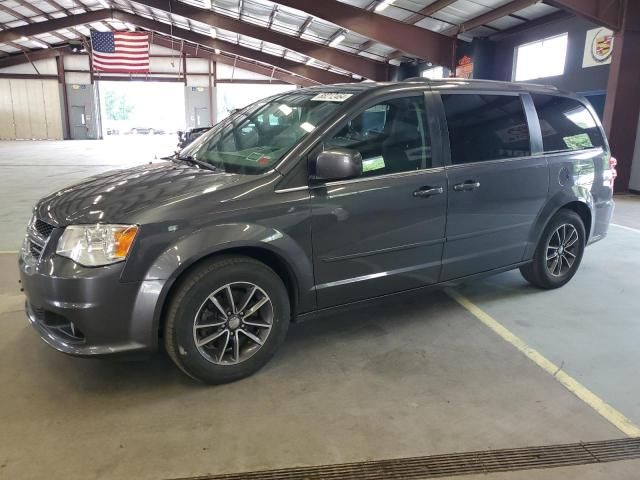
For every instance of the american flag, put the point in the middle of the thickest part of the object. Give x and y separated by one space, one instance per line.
120 52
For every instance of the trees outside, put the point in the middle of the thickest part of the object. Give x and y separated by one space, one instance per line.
116 106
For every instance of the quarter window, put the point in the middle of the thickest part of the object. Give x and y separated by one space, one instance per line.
391 136
486 127
566 124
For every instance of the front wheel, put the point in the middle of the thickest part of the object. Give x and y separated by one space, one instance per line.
559 252
226 319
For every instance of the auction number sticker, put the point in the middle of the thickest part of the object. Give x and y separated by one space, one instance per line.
331 97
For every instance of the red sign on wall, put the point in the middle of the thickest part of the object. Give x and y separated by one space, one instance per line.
464 69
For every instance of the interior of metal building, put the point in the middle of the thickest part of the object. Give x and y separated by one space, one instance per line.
475 378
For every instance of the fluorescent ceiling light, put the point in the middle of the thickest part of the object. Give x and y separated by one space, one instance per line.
104 3
24 39
130 27
339 39
207 4
216 51
310 61
384 4
39 44
213 33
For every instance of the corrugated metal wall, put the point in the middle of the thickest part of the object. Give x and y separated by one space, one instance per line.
30 109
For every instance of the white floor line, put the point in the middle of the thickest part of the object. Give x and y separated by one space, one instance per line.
626 228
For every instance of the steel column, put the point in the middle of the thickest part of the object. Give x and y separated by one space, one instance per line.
622 107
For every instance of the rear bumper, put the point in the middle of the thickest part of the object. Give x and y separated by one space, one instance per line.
603 212
89 311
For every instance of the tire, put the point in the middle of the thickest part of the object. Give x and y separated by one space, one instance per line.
218 360
548 270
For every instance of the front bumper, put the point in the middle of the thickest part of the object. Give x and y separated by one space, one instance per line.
89 311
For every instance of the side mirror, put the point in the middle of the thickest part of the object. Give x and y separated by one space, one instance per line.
338 164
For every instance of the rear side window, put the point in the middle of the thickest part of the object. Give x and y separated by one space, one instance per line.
566 124
486 127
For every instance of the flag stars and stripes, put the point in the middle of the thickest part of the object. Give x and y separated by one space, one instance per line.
120 52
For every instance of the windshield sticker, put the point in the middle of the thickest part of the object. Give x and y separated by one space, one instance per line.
331 97
259 158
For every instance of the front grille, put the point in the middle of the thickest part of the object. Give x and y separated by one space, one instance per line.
57 325
35 249
38 234
43 228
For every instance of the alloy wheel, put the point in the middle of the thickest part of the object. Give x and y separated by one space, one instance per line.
233 323
562 249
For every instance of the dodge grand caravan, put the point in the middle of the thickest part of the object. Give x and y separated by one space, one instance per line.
309 200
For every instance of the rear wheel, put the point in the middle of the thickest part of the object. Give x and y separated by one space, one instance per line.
227 319
559 252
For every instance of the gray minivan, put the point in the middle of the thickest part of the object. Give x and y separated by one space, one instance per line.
313 199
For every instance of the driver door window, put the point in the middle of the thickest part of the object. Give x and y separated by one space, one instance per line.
391 136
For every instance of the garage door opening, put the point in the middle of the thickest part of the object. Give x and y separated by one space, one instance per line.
143 115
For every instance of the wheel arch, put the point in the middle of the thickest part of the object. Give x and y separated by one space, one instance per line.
277 262
580 202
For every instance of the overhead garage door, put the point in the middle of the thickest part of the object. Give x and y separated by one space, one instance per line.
30 109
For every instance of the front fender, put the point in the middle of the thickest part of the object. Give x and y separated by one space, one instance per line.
188 250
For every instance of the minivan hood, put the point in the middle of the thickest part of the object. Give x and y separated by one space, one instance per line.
113 196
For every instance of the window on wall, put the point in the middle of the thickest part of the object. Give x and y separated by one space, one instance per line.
544 58
486 127
433 73
566 124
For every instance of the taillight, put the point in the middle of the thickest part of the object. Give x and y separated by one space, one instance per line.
612 167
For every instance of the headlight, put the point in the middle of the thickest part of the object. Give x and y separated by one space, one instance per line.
96 245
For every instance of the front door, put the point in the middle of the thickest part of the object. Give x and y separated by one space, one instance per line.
496 188
202 117
384 231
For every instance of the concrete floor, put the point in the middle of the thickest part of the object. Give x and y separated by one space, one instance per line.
417 376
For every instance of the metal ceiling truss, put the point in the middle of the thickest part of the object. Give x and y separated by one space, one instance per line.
192 50
603 12
313 73
352 63
416 41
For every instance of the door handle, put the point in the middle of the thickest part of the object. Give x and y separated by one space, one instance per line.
466 186
426 192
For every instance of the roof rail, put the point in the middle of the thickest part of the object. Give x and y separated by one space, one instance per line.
473 80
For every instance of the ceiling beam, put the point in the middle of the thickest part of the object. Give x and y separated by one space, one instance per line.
52 25
21 58
352 63
603 12
313 73
429 10
317 74
194 51
490 16
523 27
417 41
35 10
188 48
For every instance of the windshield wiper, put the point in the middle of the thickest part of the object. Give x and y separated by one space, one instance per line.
190 159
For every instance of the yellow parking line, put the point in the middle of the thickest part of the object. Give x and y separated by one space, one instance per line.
616 418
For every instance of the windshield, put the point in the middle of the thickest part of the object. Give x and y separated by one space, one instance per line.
253 140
